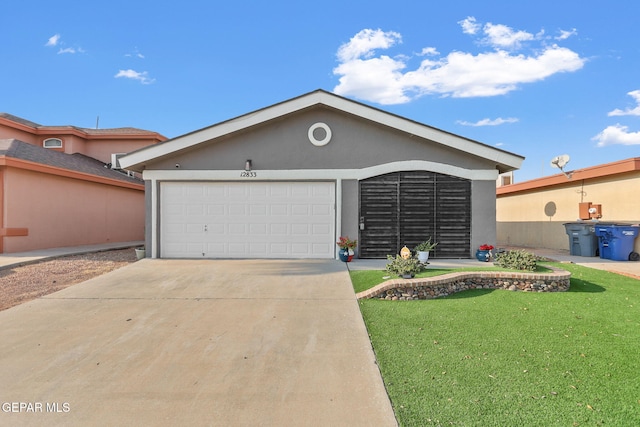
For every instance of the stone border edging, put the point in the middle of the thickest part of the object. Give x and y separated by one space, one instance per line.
447 284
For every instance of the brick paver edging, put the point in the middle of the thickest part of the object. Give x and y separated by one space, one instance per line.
447 284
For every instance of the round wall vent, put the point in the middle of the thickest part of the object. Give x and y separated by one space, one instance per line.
319 134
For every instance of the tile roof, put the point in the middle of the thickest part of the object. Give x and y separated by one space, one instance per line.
19 120
75 162
89 131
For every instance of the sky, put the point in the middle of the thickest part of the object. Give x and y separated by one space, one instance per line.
538 79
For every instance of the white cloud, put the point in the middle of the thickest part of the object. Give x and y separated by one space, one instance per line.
469 25
135 54
383 79
365 42
53 40
489 122
56 40
501 36
70 50
617 135
428 51
142 77
566 34
635 94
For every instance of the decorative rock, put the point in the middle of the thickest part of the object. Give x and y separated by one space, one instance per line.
441 286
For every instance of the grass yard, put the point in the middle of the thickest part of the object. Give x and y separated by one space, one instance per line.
500 358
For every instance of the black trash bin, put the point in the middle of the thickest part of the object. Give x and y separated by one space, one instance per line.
582 238
616 241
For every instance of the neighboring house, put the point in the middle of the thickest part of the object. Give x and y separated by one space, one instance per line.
533 213
57 186
287 180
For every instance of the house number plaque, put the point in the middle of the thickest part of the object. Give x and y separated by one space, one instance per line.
246 174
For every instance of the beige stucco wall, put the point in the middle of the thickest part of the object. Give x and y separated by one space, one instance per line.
61 211
535 218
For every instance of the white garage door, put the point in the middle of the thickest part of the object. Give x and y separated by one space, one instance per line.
247 220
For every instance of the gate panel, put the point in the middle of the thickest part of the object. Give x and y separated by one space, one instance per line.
453 217
379 209
417 217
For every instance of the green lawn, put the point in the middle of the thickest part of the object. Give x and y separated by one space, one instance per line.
500 358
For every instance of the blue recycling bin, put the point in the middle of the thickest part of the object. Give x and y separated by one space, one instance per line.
582 238
616 241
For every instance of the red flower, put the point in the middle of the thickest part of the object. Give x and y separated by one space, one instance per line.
486 247
346 243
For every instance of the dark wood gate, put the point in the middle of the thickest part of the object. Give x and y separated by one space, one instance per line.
406 208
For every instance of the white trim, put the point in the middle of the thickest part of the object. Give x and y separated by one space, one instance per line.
44 143
154 218
138 158
338 215
321 174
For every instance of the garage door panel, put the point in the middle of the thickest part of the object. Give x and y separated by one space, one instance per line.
258 210
258 229
194 228
278 210
215 209
215 248
300 229
321 229
249 220
238 229
237 209
302 210
275 229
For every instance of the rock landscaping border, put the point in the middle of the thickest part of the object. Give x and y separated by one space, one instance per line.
447 284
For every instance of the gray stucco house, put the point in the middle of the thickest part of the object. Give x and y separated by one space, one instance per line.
287 180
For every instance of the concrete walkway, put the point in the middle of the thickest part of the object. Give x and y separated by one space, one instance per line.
628 268
205 342
18 258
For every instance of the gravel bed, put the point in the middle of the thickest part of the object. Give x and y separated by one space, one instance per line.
27 282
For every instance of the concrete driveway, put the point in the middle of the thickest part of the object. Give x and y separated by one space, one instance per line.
177 342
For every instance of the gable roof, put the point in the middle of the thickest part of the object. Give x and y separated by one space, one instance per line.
16 149
504 160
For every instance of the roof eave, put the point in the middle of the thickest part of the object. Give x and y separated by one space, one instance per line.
505 161
593 172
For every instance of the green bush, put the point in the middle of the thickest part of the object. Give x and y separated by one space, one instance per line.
516 260
401 266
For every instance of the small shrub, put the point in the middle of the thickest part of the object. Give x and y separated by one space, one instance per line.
426 246
516 260
401 266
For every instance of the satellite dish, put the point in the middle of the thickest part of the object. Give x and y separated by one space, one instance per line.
560 161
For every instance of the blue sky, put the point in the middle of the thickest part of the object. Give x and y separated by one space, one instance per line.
537 79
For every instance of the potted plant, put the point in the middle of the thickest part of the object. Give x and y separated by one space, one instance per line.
403 267
140 252
346 246
484 253
423 249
